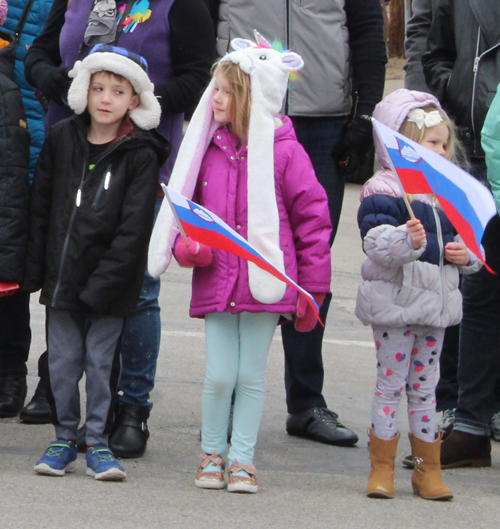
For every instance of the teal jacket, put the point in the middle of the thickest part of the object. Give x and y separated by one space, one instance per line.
490 141
34 112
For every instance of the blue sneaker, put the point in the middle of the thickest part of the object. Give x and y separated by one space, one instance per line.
58 459
102 464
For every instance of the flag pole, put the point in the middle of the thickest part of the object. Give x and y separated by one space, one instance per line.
174 211
405 195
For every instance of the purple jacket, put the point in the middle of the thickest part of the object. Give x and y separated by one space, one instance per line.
305 225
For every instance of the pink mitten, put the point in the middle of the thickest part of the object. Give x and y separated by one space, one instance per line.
196 254
306 319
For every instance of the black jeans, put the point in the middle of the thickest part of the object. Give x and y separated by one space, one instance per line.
447 386
303 351
15 333
479 361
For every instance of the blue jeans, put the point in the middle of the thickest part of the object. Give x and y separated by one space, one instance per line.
319 136
141 344
303 350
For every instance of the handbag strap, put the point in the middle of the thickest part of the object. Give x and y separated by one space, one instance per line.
22 20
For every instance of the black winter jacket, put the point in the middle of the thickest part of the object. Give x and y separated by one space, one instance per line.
89 232
14 170
462 63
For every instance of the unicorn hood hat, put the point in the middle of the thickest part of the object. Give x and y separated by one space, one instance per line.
269 70
104 57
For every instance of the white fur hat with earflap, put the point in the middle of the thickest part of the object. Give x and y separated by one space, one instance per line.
104 57
268 67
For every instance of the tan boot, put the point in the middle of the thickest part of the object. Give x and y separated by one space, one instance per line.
426 479
382 455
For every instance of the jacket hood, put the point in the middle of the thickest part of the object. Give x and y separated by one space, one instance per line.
7 55
286 131
392 112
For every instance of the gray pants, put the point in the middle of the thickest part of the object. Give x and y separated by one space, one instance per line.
83 343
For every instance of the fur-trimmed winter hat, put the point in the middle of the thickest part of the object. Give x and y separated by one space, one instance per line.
104 57
268 67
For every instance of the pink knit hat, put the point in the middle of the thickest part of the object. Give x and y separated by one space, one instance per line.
3 11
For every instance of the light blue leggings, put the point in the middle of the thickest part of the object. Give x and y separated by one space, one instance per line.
237 349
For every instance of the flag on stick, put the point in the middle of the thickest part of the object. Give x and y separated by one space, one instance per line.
467 202
205 227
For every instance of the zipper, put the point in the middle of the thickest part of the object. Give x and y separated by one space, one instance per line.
441 254
78 202
475 69
68 233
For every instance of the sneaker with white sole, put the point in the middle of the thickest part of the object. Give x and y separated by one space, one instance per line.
102 464
446 422
242 478
58 459
495 426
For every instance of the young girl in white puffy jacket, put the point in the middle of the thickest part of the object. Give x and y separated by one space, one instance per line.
409 295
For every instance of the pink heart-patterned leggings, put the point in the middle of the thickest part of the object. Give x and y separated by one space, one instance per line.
407 361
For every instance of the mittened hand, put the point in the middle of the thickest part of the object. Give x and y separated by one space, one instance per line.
305 318
52 81
354 145
193 254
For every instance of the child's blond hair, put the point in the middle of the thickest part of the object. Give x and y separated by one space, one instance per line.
238 110
454 149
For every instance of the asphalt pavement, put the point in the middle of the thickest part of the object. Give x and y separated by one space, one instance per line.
302 484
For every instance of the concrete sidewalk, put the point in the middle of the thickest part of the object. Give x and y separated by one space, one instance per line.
302 484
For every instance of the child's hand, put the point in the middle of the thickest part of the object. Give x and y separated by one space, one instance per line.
457 253
416 232
196 254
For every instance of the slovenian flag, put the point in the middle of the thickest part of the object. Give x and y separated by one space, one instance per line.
205 227
468 203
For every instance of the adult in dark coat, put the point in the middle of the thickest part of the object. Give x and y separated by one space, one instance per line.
462 68
14 191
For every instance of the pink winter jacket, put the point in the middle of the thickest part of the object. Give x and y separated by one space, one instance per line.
305 225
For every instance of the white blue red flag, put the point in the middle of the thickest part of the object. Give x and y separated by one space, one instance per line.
205 227
468 204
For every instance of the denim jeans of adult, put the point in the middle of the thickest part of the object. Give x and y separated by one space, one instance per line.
479 360
304 372
141 344
15 333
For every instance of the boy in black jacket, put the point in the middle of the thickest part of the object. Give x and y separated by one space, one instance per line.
92 211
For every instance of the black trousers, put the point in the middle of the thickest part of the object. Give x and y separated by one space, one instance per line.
304 364
15 333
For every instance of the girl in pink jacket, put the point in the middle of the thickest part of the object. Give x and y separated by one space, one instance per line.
256 176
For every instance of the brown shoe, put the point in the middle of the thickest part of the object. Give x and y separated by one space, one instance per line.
382 455
426 479
462 449
210 479
242 483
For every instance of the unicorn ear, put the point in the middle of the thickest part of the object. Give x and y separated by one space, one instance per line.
291 61
260 40
241 44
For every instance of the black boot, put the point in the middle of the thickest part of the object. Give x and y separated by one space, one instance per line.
38 409
130 432
12 394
